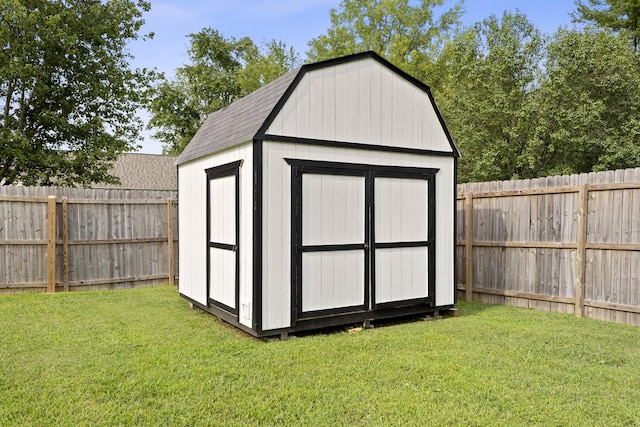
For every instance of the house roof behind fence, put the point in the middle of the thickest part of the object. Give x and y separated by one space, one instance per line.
144 172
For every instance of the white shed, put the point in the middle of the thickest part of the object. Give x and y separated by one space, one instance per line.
326 197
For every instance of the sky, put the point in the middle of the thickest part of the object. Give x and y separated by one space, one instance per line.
294 22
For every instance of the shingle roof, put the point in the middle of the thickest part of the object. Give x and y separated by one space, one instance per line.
238 122
144 171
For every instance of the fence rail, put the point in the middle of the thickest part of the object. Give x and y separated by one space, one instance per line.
60 239
569 244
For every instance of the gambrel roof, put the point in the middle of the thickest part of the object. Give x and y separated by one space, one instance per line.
249 117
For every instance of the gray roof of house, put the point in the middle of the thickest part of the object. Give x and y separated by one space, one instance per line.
238 122
144 171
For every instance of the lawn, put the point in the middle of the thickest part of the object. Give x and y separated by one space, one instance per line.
142 357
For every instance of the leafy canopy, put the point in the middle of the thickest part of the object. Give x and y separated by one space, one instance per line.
221 70
411 37
490 73
521 105
617 15
68 96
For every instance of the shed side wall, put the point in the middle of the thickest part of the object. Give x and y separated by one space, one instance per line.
192 193
361 102
276 244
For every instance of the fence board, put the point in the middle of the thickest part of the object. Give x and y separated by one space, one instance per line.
554 244
102 239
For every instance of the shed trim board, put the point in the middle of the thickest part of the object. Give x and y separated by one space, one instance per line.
271 168
257 235
356 145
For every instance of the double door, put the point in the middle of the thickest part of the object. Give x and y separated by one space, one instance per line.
363 237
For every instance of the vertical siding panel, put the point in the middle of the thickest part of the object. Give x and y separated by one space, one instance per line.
315 105
272 234
288 118
376 107
353 105
327 208
302 100
312 217
341 106
328 104
364 103
386 121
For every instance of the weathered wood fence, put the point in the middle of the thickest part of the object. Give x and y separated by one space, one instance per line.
565 243
61 239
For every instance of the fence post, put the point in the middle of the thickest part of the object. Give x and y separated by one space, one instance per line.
172 265
65 243
581 252
468 250
51 244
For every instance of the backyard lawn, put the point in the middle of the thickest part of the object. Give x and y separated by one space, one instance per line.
142 357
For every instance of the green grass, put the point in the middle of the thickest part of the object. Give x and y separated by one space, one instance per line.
142 357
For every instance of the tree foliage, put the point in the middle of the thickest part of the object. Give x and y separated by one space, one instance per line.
221 70
68 95
521 105
589 105
492 70
411 37
617 15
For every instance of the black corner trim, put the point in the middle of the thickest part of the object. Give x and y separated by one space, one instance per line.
257 236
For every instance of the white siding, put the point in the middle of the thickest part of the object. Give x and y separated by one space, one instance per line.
401 210
223 210
362 102
401 274
332 209
277 219
222 283
192 186
332 279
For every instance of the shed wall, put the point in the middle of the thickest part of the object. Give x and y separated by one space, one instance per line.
276 244
192 190
361 102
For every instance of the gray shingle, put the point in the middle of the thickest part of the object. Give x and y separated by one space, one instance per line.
144 171
238 122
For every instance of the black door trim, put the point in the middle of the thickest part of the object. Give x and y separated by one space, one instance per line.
369 172
229 169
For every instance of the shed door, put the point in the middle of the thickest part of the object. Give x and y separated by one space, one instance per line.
223 254
363 237
402 240
333 251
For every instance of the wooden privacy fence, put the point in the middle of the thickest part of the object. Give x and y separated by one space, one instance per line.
78 239
567 243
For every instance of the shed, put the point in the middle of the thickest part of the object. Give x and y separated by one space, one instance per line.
326 197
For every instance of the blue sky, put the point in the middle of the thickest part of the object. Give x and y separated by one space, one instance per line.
294 22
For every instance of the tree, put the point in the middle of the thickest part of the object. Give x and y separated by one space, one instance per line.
69 96
617 15
589 105
487 95
410 37
221 71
